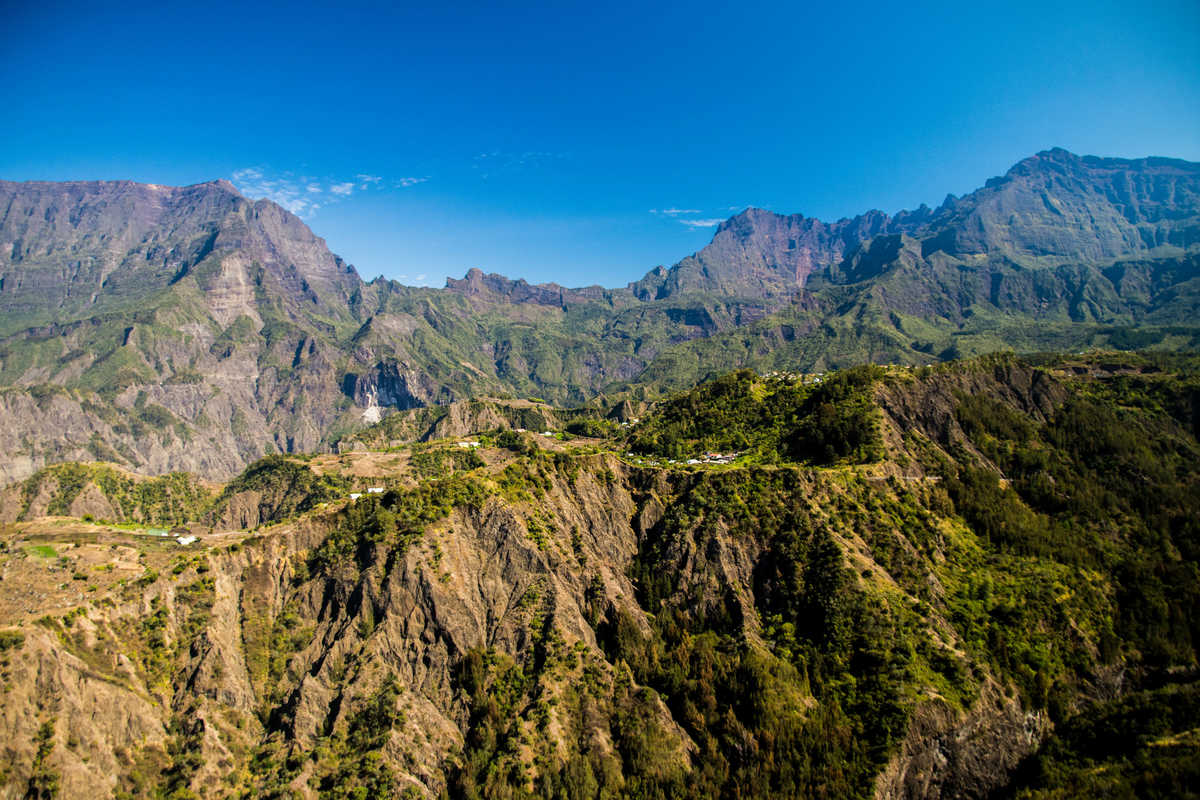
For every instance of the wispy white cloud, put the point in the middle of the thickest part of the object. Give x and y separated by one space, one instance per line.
684 217
283 189
304 195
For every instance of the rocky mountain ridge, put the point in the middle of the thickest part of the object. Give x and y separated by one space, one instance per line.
1052 208
190 328
77 249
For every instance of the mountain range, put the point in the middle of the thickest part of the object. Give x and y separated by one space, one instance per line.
269 530
191 328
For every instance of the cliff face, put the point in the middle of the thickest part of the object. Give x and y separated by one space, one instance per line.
1086 209
1008 546
762 254
78 248
165 328
254 657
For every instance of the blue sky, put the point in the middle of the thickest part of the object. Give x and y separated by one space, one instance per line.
583 143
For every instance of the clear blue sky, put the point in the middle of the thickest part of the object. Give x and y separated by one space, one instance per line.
583 143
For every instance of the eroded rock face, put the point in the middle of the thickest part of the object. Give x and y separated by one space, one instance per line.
931 407
398 386
963 755
97 709
253 654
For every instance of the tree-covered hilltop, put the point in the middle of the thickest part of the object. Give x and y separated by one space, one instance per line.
103 492
968 580
813 419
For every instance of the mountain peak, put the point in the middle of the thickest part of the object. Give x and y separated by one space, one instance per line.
79 247
1052 206
220 183
1056 154
493 286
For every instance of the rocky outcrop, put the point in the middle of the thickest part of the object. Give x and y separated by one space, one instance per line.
963 756
493 287
398 386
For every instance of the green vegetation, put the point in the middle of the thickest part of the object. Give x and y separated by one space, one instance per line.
286 486
171 499
828 420
11 640
44 781
1109 484
270 645
355 768
851 650
591 427
391 522
1144 746
439 462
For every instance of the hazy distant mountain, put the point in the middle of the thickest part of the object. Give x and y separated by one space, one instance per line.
1049 209
190 328
75 249
165 327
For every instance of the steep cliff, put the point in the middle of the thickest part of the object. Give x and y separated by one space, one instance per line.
912 616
